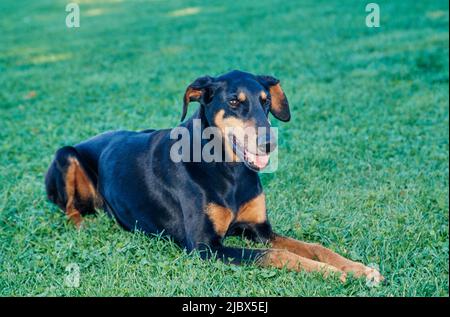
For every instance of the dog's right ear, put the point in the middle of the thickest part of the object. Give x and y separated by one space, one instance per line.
280 105
197 91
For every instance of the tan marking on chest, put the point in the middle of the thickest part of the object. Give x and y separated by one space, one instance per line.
253 211
220 217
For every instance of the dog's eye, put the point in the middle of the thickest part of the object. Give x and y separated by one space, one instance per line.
234 103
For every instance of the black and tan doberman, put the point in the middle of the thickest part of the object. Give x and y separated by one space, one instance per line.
132 176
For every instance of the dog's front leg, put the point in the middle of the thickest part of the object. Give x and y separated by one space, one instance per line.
317 252
278 258
282 258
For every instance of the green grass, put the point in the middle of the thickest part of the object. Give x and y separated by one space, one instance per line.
363 164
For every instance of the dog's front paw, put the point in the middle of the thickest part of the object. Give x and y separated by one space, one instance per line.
372 275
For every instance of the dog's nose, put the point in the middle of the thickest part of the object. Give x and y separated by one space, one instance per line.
266 143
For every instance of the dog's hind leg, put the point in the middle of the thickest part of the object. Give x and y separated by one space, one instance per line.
69 185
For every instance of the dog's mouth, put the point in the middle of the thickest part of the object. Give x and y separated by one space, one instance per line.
254 161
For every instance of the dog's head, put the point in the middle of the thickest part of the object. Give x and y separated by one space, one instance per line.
239 103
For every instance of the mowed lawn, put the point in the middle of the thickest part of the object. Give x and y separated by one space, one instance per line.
363 163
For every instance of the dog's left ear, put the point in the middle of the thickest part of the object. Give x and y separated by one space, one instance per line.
279 106
197 91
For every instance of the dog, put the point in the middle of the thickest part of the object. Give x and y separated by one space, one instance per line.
132 177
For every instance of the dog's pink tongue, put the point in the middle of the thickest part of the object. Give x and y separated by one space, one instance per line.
261 161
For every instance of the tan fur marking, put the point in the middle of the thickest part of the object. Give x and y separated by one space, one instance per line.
285 259
263 95
77 182
192 94
84 186
295 246
242 97
221 217
317 252
244 131
254 211
229 122
222 123
72 213
277 97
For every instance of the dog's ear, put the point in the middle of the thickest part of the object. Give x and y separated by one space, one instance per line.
279 106
197 91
